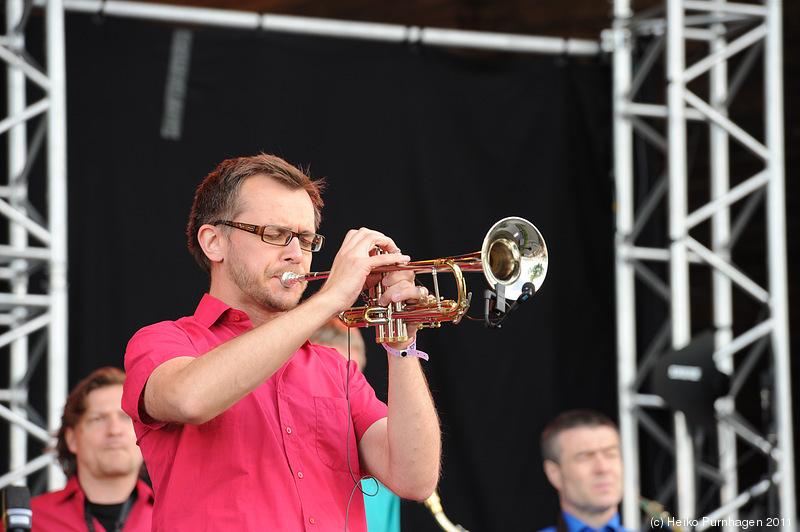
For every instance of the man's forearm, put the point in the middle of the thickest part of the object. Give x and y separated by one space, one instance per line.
413 432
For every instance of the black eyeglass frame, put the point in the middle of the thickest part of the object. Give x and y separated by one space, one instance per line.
315 241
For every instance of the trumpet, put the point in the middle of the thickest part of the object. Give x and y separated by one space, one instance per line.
513 259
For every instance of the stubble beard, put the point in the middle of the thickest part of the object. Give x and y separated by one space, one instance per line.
112 465
124 469
255 288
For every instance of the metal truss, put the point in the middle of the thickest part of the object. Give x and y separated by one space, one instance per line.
694 173
33 252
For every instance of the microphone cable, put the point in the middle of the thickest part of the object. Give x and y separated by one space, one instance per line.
356 482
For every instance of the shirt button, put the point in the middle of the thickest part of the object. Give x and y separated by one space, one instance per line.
288 430
299 474
236 317
311 520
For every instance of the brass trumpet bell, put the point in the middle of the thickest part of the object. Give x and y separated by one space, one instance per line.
513 254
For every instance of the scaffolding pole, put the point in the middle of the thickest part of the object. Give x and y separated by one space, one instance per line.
322 27
694 42
35 243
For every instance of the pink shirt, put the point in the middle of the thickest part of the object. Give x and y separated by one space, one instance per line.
274 461
64 510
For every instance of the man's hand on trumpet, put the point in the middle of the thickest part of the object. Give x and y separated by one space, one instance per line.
351 272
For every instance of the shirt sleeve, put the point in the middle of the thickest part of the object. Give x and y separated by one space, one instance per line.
365 405
149 348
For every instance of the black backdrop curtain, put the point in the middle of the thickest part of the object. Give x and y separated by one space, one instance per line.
429 146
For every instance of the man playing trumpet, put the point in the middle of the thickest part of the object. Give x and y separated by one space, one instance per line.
245 425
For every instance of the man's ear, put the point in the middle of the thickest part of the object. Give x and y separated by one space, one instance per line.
69 439
553 472
211 241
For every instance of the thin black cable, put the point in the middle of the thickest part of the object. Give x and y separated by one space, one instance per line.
356 483
347 438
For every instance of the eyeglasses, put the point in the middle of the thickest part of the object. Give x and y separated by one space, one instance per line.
278 236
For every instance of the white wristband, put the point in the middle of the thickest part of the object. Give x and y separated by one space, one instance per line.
409 351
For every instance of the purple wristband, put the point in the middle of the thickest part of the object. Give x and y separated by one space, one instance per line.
410 351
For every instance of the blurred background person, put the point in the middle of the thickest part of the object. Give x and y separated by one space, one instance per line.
583 461
97 450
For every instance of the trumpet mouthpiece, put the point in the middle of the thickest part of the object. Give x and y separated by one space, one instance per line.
289 279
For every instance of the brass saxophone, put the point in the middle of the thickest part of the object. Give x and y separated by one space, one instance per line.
655 510
435 506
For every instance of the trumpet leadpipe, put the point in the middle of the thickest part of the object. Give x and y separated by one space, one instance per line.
469 262
289 279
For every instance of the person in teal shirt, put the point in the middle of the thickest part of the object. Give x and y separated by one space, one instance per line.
382 506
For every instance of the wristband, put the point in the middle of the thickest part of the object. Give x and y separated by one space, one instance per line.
409 351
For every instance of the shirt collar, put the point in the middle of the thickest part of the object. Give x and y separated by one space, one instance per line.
211 309
576 525
72 489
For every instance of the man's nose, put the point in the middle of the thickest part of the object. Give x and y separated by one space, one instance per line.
602 463
117 425
292 251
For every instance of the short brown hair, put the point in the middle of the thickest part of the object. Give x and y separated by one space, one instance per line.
569 420
75 407
217 197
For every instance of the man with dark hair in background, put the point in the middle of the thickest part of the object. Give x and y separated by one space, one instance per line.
97 450
583 461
